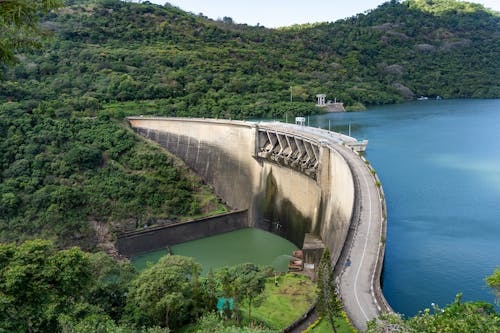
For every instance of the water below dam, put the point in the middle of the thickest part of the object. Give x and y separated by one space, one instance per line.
439 163
232 248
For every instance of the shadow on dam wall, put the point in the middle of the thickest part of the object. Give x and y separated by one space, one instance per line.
280 216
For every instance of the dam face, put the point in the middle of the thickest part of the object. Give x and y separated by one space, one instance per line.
291 182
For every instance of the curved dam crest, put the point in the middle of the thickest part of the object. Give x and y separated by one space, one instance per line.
293 180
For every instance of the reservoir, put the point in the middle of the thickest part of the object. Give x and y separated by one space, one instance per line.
228 249
439 163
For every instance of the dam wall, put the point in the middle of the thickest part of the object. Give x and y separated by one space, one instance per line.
339 196
317 195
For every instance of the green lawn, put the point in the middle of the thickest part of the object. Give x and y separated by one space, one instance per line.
286 302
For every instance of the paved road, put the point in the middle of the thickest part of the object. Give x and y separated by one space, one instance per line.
357 281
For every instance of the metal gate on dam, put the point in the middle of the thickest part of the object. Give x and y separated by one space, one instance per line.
294 180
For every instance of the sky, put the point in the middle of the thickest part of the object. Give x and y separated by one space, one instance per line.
279 13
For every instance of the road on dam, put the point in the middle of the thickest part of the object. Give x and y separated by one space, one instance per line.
359 280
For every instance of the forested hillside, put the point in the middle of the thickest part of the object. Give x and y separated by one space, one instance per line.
107 51
68 163
73 173
72 179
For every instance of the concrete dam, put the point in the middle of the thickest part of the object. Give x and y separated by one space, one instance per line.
294 181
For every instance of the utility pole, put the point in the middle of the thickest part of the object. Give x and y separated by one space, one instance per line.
291 94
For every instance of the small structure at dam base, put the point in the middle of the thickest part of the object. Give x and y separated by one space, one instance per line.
313 249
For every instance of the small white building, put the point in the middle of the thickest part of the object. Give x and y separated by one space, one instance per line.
329 106
321 99
301 121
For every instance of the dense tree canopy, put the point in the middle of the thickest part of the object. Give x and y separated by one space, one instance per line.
163 293
38 284
43 289
458 317
61 175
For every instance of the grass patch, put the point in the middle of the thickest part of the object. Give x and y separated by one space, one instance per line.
207 201
341 325
282 305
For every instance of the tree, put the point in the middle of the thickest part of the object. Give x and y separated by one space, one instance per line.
163 293
328 303
111 280
209 285
494 282
19 25
39 283
251 283
244 282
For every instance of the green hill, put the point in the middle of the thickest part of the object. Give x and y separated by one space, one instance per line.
111 51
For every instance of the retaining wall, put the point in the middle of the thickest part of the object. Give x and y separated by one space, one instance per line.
157 238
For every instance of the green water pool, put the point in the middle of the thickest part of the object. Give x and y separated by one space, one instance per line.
241 246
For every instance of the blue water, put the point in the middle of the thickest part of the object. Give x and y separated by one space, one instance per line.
439 163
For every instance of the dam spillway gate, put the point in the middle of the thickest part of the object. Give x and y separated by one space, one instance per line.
289 150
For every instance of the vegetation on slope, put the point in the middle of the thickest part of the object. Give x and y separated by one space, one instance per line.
108 51
48 290
58 173
19 28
